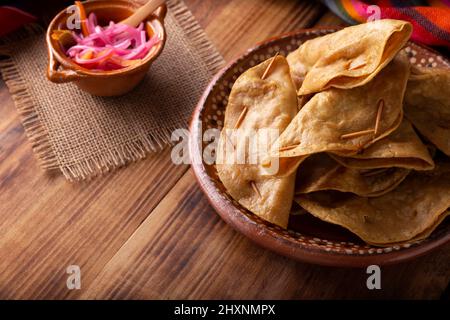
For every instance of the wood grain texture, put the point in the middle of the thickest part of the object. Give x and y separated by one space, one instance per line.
47 223
147 231
239 25
330 19
184 251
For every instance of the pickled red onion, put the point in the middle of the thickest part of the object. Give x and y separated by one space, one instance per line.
111 47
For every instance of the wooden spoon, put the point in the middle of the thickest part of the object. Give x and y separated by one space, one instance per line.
142 13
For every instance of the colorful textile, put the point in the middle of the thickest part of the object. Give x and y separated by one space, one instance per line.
430 19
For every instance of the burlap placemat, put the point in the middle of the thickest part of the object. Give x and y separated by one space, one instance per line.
82 135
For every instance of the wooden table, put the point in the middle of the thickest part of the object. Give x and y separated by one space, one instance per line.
147 231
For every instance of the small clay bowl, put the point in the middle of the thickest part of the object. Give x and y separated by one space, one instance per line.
62 69
307 238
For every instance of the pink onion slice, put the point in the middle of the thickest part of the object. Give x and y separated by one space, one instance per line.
113 47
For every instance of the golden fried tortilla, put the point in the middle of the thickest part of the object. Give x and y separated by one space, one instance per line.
427 105
269 103
320 172
347 58
407 213
427 232
343 121
401 149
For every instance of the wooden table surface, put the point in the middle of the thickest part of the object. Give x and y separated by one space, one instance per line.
147 231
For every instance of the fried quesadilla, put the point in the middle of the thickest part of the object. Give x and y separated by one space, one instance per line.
256 103
346 121
398 216
427 105
348 58
320 172
401 149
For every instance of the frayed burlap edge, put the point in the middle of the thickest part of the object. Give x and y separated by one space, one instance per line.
23 100
116 157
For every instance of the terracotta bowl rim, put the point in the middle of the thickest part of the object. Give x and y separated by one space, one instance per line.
66 62
259 233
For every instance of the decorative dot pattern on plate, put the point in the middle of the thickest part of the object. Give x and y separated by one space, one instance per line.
212 116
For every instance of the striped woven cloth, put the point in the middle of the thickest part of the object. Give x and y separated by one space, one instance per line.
430 19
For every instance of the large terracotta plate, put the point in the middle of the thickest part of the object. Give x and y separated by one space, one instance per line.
307 238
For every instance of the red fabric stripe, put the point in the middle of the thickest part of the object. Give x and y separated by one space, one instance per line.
420 34
438 16
12 18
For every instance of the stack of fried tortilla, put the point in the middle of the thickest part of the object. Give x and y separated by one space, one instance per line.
364 138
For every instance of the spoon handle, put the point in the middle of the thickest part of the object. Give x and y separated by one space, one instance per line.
142 13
